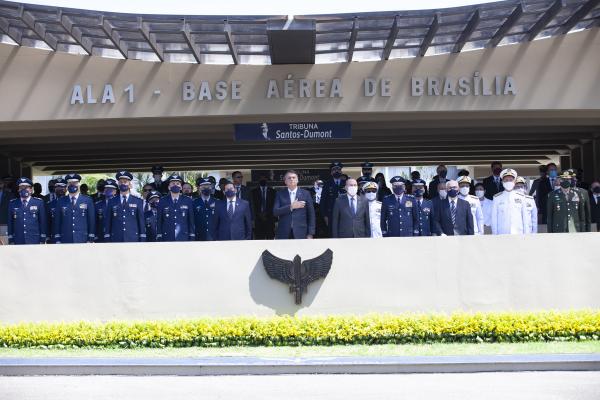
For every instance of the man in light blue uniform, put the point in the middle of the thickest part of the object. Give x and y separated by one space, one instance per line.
175 219
398 217
204 211
125 219
26 216
76 216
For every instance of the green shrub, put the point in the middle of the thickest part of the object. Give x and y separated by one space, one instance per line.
303 331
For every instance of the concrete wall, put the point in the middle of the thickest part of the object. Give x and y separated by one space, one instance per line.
391 275
559 73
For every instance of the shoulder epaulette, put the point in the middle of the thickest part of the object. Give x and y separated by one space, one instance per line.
497 194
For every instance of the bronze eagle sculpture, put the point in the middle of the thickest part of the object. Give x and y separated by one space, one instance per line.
295 273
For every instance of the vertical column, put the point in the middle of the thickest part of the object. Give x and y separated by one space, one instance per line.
565 162
595 159
4 166
576 158
587 161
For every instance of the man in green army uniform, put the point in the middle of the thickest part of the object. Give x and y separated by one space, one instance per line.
566 211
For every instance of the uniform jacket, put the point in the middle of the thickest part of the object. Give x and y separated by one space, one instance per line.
204 218
125 223
175 222
27 225
565 213
75 224
509 213
425 218
398 219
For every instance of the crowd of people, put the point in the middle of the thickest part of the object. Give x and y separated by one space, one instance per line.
339 207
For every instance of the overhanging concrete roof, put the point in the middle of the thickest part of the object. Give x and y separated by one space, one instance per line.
309 39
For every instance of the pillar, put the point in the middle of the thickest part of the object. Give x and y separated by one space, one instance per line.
576 157
587 161
565 162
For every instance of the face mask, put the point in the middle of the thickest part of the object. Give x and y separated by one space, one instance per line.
187 192
497 171
24 193
552 173
464 190
205 192
443 194
154 204
352 190
398 189
367 173
318 188
60 192
337 174
123 187
508 185
596 190
109 193
520 190
419 192
480 193
452 193
443 173
565 184
230 193
371 196
175 189
262 182
72 188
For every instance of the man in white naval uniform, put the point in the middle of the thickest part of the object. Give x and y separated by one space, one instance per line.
370 190
509 211
464 185
486 207
532 211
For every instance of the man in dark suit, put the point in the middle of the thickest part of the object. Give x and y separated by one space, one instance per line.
331 190
294 208
242 192
442 173
595 204
233 219
453 216
51 195
493 184
545 186
263 198
350 217
5 197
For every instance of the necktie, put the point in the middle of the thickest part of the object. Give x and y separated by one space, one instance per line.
73 202
238 193
24 204
124 201
206 203
230 209
453 212
263 204
175 202
398 200
352 206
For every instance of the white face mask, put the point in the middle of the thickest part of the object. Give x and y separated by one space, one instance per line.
464 190
371 196
352 190
508 185
443 194
520 190
480 193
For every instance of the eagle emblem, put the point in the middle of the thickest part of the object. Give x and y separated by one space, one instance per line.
295 273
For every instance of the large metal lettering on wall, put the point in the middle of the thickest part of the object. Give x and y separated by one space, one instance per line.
295 273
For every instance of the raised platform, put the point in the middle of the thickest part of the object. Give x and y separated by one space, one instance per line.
391 275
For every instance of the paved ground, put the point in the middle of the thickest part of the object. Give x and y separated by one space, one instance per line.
479 386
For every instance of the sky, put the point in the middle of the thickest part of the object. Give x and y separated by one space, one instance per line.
252 7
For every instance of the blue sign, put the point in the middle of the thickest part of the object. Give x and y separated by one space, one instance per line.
296 131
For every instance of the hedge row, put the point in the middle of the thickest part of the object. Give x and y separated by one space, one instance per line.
302 331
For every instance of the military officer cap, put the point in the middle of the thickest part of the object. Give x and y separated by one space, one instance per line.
370 185
175 177
73 177
520 179
366 164
463 179
24 181
152 194
364 179
508 172
336 164
124 174
418 182
203 181
157 169
111 183
212 179
566 175
397 179
60 182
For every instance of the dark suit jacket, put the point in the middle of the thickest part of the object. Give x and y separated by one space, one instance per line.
433 191
244 193
257 202
489 184
300 222
239 226
346 225
595 208
6 198
443 218
541 198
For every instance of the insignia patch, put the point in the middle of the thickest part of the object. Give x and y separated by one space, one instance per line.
408 203
184 207
33 208
133 205
517 201
83 206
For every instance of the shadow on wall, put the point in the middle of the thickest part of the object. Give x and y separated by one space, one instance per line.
276 295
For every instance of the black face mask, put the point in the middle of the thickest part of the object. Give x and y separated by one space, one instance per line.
565 184
596 190
262 182
497 171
